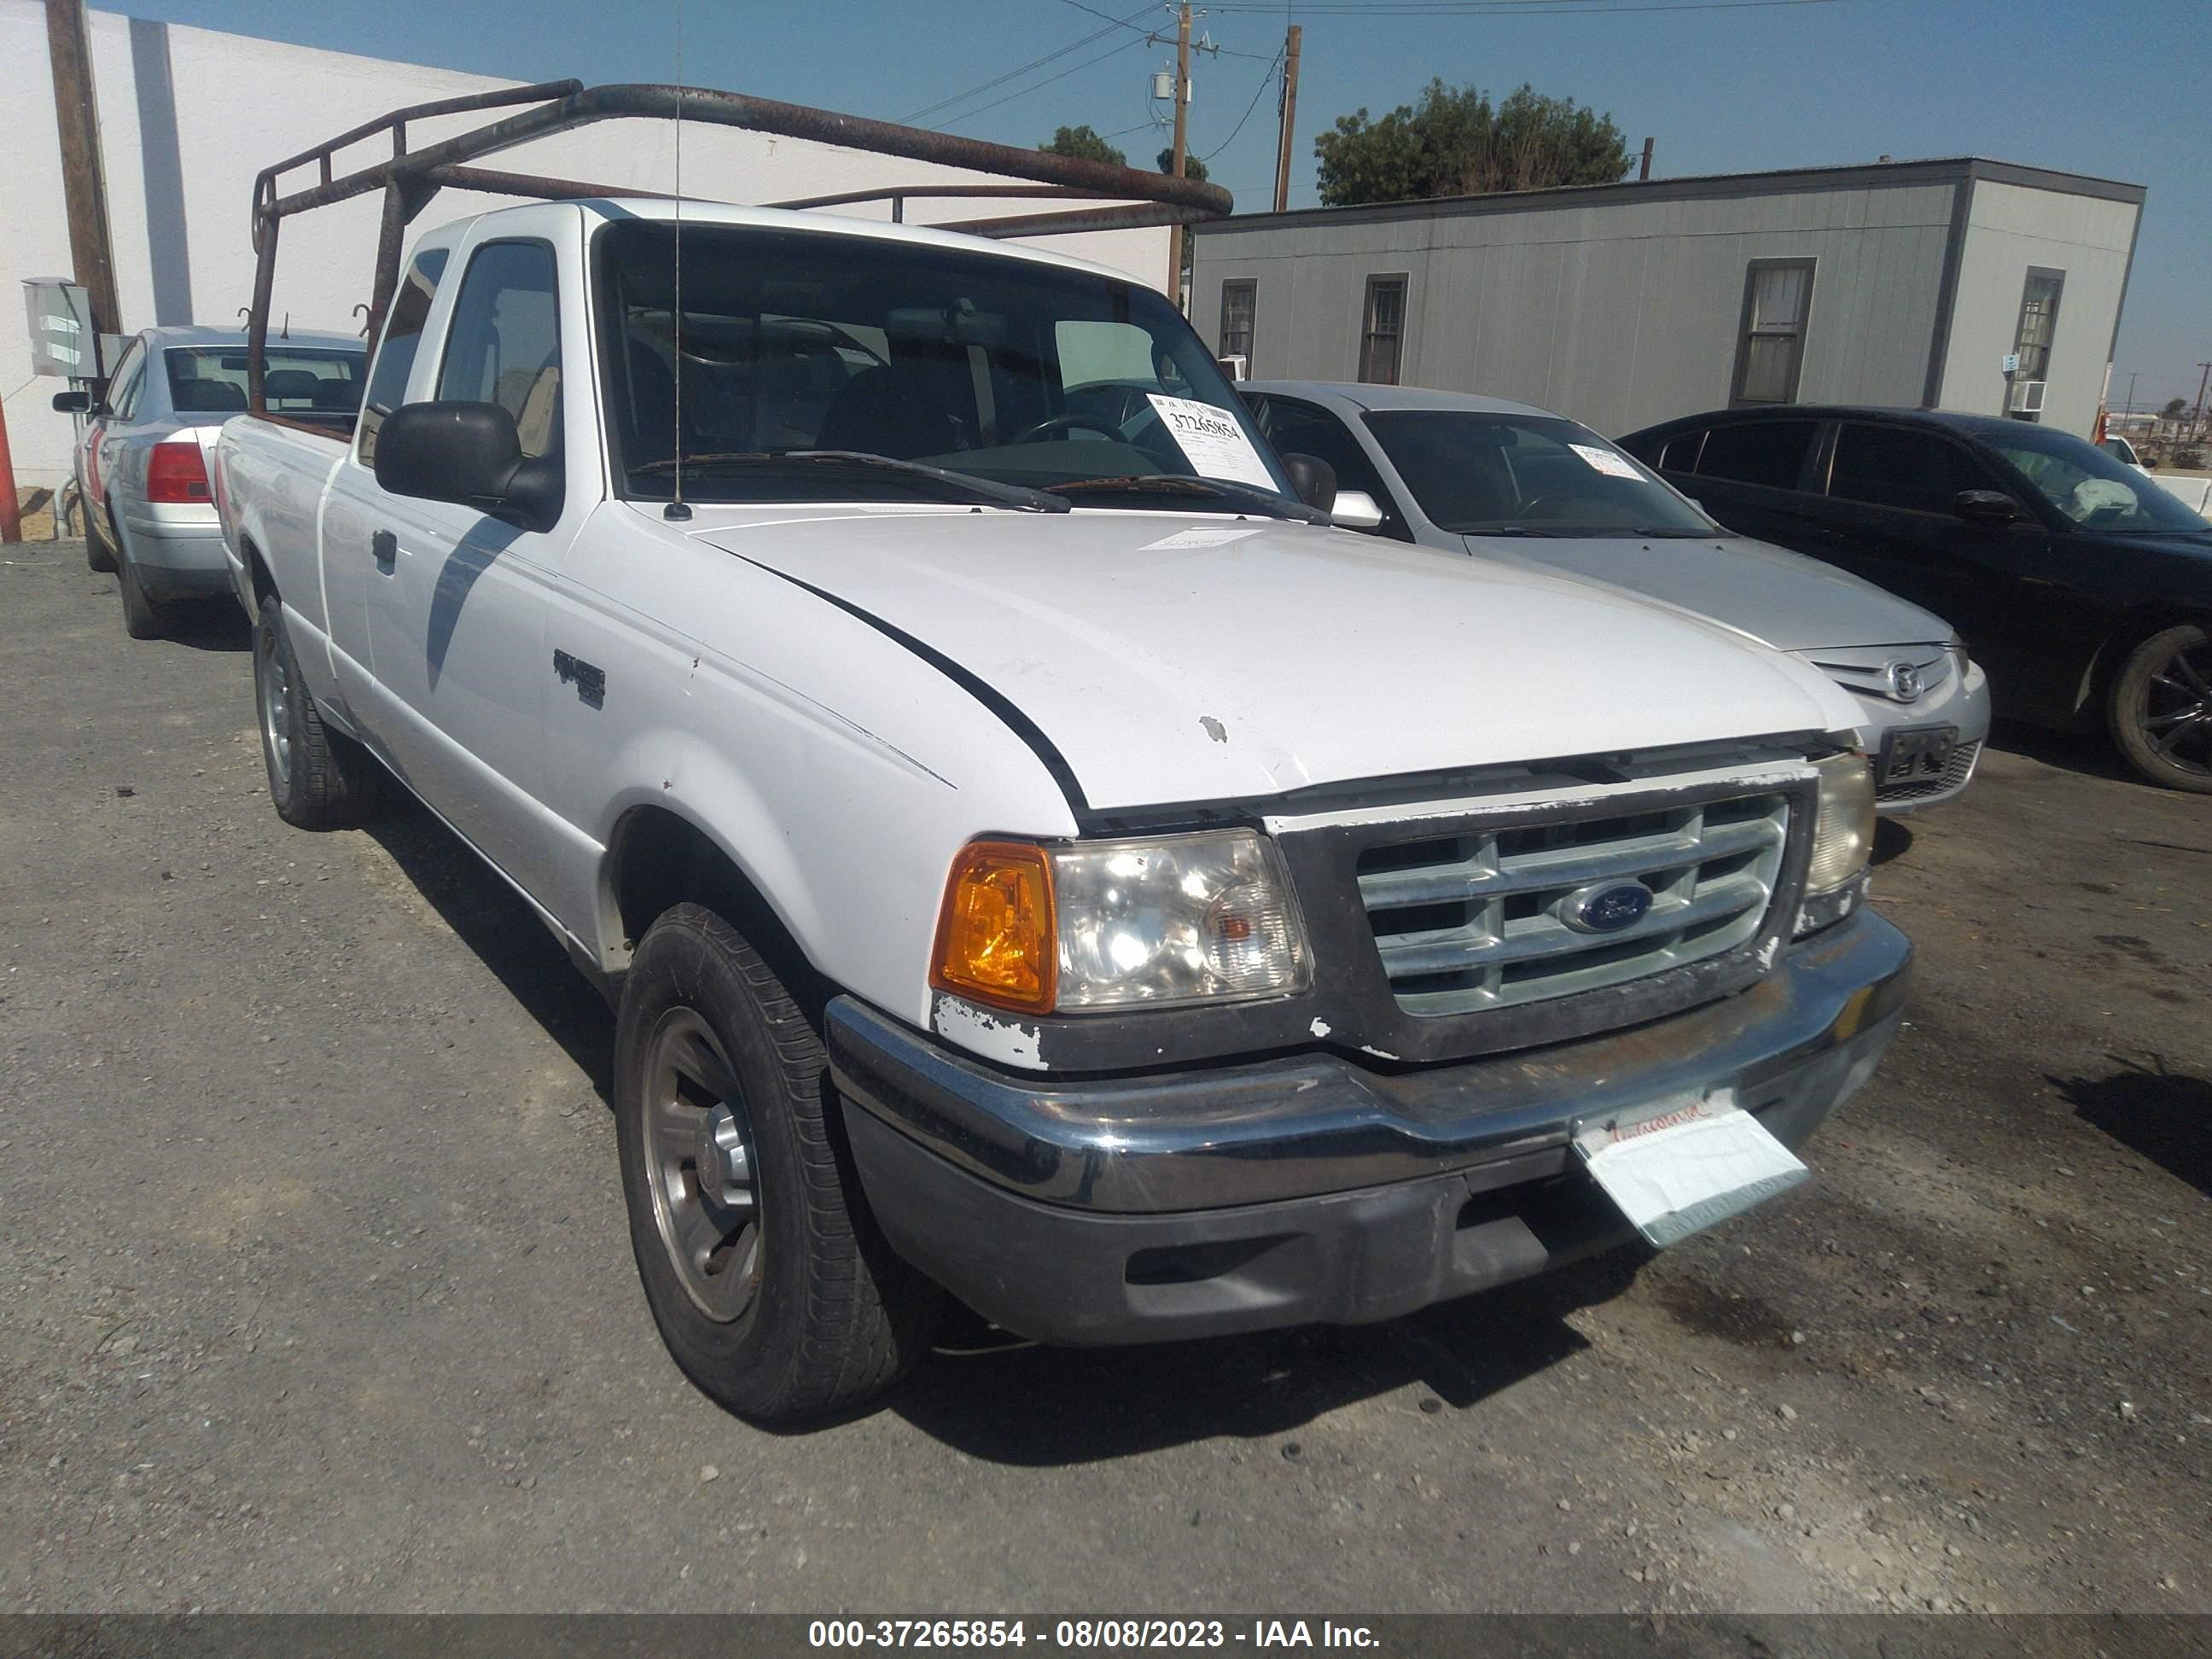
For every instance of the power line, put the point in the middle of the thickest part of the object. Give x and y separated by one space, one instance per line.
1034 63
1129 22
1265 81
1038 86
1496 7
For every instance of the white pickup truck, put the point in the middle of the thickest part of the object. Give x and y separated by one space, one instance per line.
1031 853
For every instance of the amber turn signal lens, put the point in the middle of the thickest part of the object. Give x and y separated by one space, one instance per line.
996 942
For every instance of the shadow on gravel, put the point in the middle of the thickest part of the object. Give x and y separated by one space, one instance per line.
490 918
210 624
2163 1114
1035 1406
1891 840
2090 753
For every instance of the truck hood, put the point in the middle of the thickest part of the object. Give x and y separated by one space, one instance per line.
1172 658
1790 601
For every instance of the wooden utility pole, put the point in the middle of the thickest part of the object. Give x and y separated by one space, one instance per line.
84 185
2196 422
1182 122
1645 171
1290 118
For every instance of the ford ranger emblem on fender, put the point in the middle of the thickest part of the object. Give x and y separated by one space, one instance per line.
1606 907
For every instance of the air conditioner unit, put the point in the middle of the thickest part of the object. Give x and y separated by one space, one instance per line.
1235 366
2027 396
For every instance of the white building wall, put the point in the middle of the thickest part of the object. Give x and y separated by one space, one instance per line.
2009 229
189 116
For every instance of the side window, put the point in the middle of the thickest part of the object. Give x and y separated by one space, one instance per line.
1240 302
130 381
1767 453
1777 300
403 336
504 344
1300 428
1382 331
1897 466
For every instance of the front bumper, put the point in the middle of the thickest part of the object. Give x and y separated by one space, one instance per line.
1962 701
1308 1188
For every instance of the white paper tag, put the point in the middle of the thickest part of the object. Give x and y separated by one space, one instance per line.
1683 1169
1212 439
1613 466
1203 536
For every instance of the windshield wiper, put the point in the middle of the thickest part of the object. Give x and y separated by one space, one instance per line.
1174 484
1033 501
1508 529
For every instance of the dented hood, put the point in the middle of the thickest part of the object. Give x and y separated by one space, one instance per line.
1183 659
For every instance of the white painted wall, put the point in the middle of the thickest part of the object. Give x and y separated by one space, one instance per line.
189 116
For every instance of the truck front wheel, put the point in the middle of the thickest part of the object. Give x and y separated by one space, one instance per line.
769 1282
318 779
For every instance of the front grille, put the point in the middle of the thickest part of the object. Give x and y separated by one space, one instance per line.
1957 769
1471 921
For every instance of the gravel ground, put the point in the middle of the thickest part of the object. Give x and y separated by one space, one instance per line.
318 1296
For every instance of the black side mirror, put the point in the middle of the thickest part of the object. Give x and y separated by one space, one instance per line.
1314 479
470 454
1986 506
73 402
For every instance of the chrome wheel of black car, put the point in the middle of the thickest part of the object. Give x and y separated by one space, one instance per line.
2161 708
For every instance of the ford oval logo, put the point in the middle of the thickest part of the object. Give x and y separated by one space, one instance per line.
1606 907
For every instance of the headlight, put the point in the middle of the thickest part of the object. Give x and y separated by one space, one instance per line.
1842 824
1154 922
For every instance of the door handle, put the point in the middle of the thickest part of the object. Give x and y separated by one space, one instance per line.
384 548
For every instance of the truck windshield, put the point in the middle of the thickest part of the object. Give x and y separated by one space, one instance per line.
998 368
1480 474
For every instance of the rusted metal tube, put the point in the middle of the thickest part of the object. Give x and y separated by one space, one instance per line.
526 184
922 191
1134 215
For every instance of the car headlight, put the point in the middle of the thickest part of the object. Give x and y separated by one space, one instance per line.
1842 823
1105 925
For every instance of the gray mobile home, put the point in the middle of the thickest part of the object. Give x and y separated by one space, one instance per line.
1909 284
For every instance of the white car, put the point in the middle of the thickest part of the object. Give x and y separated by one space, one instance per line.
1031 852
1470 474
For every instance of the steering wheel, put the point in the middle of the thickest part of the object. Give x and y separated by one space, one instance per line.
1069 423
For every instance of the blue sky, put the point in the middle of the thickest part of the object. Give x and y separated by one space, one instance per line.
2112 90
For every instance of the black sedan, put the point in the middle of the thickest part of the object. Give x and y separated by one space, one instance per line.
2082 587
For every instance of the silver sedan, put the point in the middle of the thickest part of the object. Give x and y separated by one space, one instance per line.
1474 474
143 461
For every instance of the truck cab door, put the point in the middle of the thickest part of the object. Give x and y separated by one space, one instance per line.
352 555
455 601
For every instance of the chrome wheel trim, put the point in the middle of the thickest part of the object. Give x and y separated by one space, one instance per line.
700 1167
276 707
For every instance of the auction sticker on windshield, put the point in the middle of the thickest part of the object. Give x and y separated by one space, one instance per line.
1213 440
1604 461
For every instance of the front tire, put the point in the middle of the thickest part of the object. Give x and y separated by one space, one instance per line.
771 1283
318 779
2160 709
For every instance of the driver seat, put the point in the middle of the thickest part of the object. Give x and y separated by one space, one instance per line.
889 409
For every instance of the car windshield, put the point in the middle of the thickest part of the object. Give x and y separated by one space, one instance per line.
1477 474
2088 486
1002 368
211 381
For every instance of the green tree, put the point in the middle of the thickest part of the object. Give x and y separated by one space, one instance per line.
1454 142
1084 145
1192 166
2174 410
